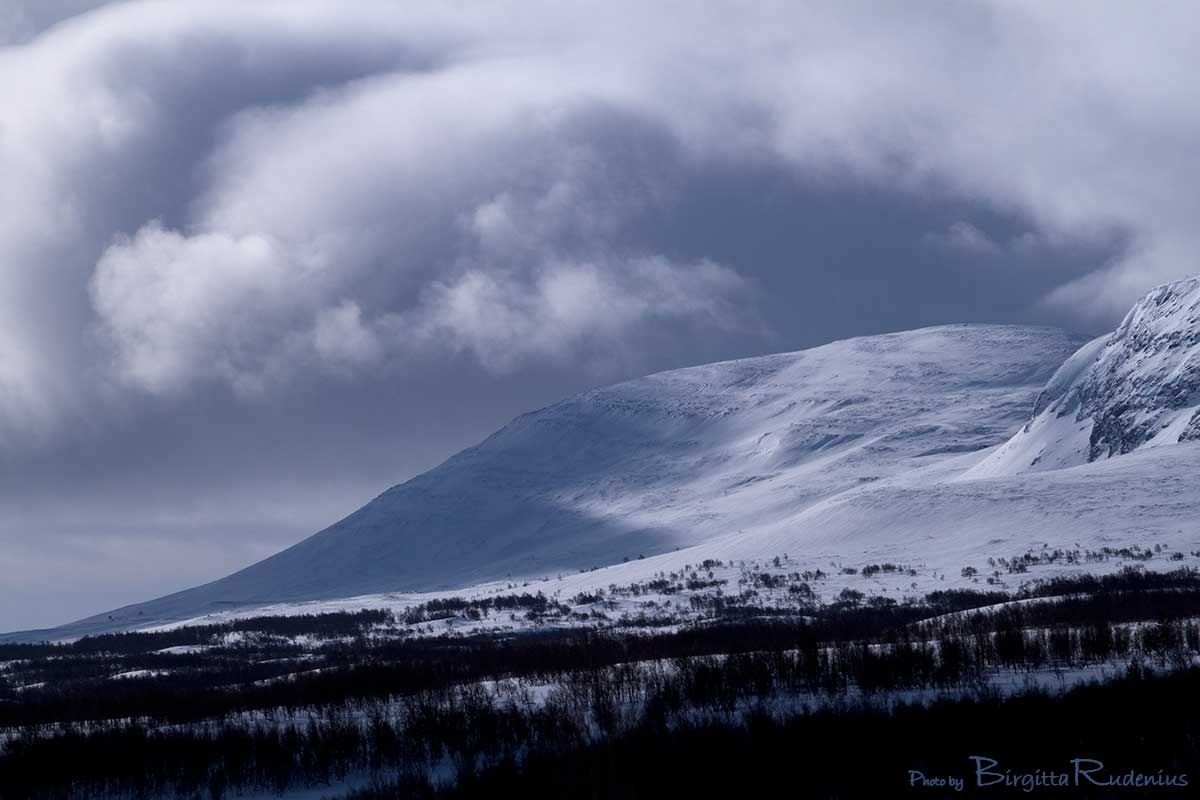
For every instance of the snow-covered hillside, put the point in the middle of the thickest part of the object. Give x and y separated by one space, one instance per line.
1137 387
662 463
941 449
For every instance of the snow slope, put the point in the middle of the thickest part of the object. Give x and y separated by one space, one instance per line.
1077 520
1138 387
937 449
660 464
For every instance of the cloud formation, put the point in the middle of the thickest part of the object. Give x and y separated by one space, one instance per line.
218 191
241 204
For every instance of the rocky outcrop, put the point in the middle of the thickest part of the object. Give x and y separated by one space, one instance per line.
1139 386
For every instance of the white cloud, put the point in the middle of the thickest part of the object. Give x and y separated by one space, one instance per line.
561 308
963 237
341 338
178 307
478 227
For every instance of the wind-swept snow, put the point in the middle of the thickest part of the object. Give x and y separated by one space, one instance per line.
666 462
942 447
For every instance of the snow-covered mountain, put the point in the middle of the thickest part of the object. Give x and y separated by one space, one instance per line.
663 463
940 447
1137 387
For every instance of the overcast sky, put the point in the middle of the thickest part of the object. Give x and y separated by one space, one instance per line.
260 261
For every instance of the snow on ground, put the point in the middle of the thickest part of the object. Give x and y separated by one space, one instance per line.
948 451
1143 508
184 649
782 706
140 673
717 457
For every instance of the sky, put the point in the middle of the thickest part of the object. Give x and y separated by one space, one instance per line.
261 260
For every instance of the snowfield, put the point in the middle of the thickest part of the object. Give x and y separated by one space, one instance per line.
939 450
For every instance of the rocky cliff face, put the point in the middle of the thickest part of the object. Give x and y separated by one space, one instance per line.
1139 386
1148 374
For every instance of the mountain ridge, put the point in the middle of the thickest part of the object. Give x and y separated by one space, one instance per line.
939 444
1137 386
660 463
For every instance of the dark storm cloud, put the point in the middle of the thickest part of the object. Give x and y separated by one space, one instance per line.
260 260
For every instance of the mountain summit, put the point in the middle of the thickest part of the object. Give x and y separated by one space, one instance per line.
1136 387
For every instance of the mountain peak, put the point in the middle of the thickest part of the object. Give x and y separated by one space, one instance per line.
1136 387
